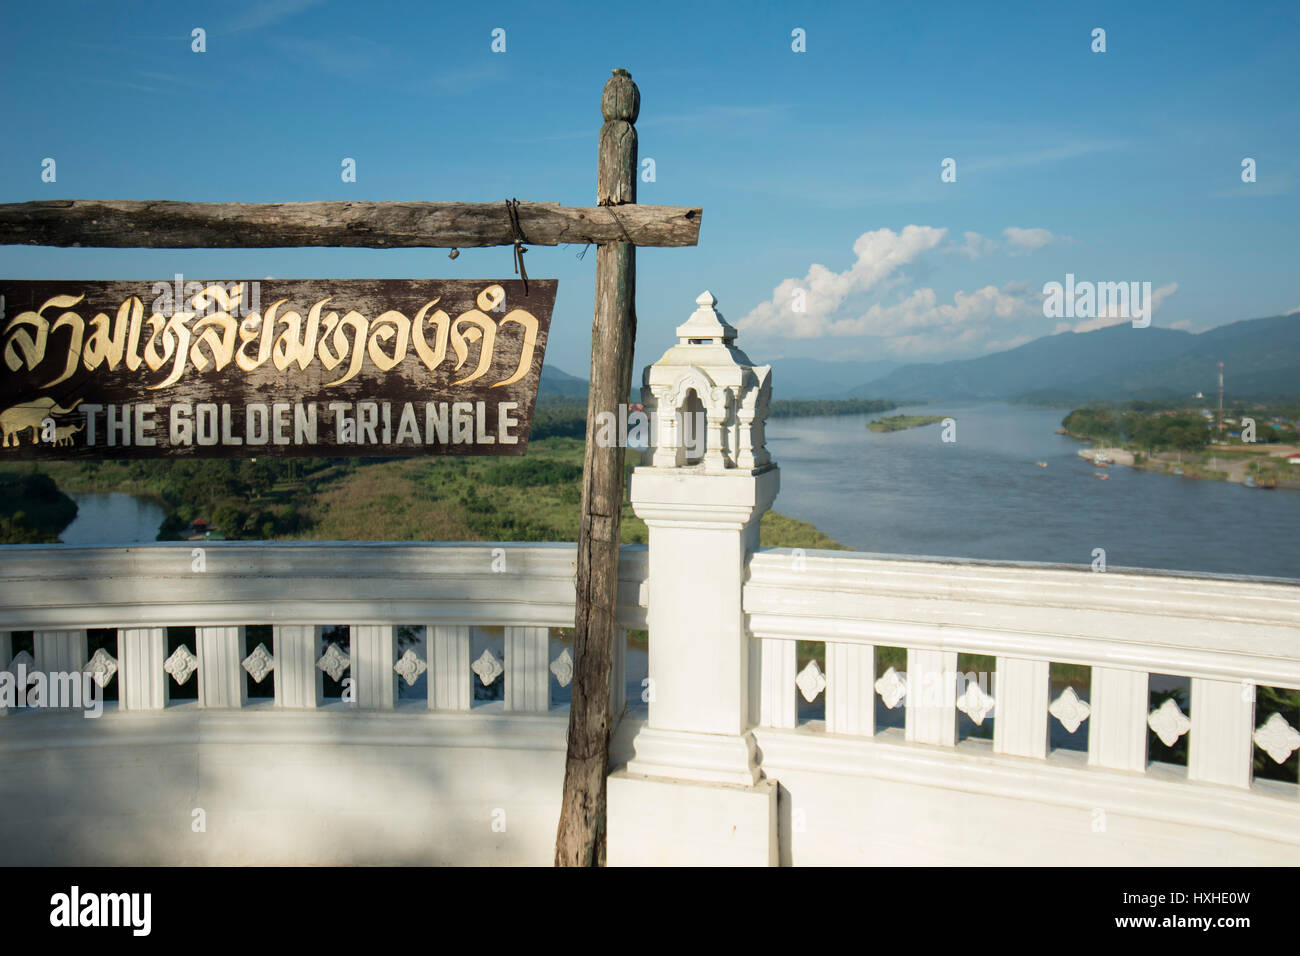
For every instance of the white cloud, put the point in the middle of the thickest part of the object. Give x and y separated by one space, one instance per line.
1112 314
976 246
871 300
1028 240
879 255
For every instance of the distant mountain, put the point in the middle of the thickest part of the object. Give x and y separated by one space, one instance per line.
792 378
817 378
559 384
1261 359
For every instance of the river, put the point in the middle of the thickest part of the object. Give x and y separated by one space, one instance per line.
112 518
982 496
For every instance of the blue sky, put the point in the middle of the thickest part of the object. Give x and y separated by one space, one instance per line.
810 167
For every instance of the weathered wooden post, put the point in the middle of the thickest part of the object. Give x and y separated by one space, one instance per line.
580 840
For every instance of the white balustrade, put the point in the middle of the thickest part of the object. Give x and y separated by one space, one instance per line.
1225 634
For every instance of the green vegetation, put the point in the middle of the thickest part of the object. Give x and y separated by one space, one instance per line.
32 508
241 499
896 423
531 498
1152 431
1155 426
1164 437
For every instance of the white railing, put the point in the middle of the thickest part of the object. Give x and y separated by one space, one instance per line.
1225 636
61 592
945 799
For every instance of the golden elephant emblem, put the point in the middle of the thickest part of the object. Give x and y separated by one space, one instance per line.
18 418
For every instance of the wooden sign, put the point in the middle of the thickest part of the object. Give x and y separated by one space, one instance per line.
306 367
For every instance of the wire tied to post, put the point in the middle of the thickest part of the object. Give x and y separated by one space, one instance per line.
512 207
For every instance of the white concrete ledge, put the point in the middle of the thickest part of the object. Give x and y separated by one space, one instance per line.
1191 625
1041 790
45 586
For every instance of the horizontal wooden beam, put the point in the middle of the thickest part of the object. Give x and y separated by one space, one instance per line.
375 225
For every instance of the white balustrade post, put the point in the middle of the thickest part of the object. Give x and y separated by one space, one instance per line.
703 521
373 653
449 667
59 652
618 676
298 681
222 681
702 529
850 689
1020 717
777 704
143 682
931 697
6 655
1117 729
528 676
1223 716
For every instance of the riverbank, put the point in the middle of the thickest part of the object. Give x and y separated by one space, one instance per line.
1266 464
32 508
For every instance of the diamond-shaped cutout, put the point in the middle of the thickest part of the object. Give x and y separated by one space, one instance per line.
1277 738
974 703
487 667
1070 710
334 662
892 688
259 663
101 667
1169 722
409 667
811 681
181 665
562 668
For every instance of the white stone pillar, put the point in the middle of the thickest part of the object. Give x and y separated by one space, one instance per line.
931 697
777 705
298 681
1223 718
143 682
702 529
850 689
373 653
693 792
1020 724
528 676
618 676
1117 729
6 655
449 667
59 651
222 680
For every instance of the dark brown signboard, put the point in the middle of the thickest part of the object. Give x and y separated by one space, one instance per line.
304 367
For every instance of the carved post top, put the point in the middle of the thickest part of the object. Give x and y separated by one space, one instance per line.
706 364
620 100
